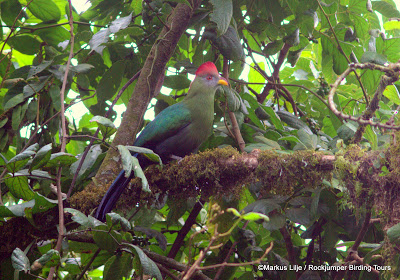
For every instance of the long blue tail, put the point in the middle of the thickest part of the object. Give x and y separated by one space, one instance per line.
113 193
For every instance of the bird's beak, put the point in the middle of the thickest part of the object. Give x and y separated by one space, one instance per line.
222 81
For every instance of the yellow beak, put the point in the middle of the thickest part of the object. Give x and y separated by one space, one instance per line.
222 81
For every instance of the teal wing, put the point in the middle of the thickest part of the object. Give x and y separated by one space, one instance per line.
168 123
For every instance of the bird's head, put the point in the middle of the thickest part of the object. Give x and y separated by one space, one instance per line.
208 78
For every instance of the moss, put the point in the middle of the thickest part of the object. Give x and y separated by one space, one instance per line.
283 174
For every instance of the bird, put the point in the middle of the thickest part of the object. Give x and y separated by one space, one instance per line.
175 132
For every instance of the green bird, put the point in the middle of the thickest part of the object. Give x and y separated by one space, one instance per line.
177 131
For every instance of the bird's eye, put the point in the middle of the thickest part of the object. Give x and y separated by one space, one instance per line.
209 78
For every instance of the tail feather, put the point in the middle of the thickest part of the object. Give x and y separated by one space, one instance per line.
113 193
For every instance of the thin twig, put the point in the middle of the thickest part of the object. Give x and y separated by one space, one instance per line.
63 141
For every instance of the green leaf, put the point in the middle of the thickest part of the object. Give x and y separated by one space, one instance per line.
373 57
130 162
391 25
177 82
392 94
110 82
19 187
61 159
45 10
82 68
118 266
106 240
90 160
371 137
78 217
34 70
233 211
107 127
293 121
54 35
228 44
118 219
14 101
253 216
38 204
386 9
147 266
19 260
126 159
222 14
394 232
17 162
36 86
309 140
25 44
273 47
51 258
299 215
54 93
41 157
149 153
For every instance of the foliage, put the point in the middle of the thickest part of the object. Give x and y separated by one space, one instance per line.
283 58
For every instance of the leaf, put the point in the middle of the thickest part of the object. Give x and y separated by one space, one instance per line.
147 266
19 260
299 215
273 47
34 70
51 258
33 88
177 82
54 93
45 10
61 159
392 94
386 9
309 140
253 216
110 81
19 187
149 153
118 219
391 25
126 159
41 157
393 233
98 39
82 68
25 44
293 121
228 44
78 217
118 267
373 57
120 23
107 127
38 204
17 162
222 14
263 206
54 35
90 160
106 240
14 101
371 136
151 233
